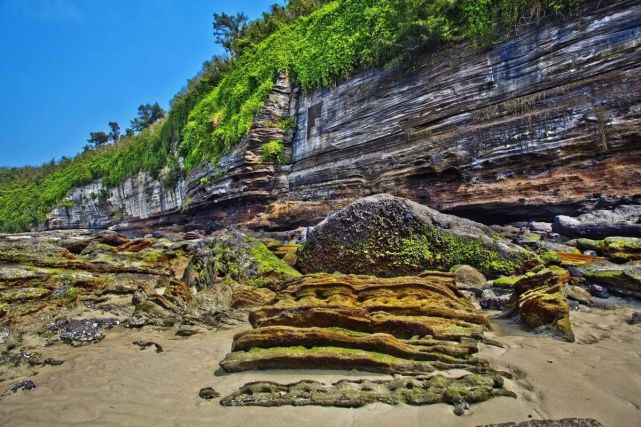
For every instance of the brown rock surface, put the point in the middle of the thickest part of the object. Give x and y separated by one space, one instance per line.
407 325
540 303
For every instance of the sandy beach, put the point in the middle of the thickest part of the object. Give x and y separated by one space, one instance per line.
113 382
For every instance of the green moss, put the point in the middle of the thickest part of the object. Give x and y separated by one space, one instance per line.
24 294
622 244
70 295
434 249
268 263
549 258
506 282
338 351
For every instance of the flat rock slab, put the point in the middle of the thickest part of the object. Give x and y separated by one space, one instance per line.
355 394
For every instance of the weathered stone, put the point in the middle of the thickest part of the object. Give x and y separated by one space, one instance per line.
250 296
540 304
599 292
208 393
358 393
635 318
469 279
578 294
621 279
146 344
23 385
85 331
616 249
406 325
387 236
491 301
622 221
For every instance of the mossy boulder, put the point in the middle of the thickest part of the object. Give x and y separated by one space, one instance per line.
387 236
231 256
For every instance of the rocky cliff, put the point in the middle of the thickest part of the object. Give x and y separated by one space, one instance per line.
543 124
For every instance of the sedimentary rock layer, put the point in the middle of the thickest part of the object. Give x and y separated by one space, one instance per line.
406 325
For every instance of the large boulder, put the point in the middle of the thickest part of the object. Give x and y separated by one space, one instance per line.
385 235
622 221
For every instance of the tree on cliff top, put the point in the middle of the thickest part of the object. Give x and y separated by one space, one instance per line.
114 132
97 139
147 115
228 28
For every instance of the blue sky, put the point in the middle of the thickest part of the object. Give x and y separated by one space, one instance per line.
67 67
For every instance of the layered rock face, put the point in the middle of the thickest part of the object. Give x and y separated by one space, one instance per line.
543 121
405 325
539 125
94 206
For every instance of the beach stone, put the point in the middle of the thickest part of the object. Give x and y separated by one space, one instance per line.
539 303
388 236
623 220
85 331
578 294
469 278
491 301
635 318
52 362
599 292
359 393
138 297
146 344
460 408
23 385
208 393
229 255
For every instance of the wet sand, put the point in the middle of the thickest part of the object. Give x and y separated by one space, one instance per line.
115 383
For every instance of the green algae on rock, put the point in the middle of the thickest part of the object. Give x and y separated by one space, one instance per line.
616 249
358 393
390 236
229 255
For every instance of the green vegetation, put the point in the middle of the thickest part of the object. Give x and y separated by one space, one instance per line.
273 151
318 42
